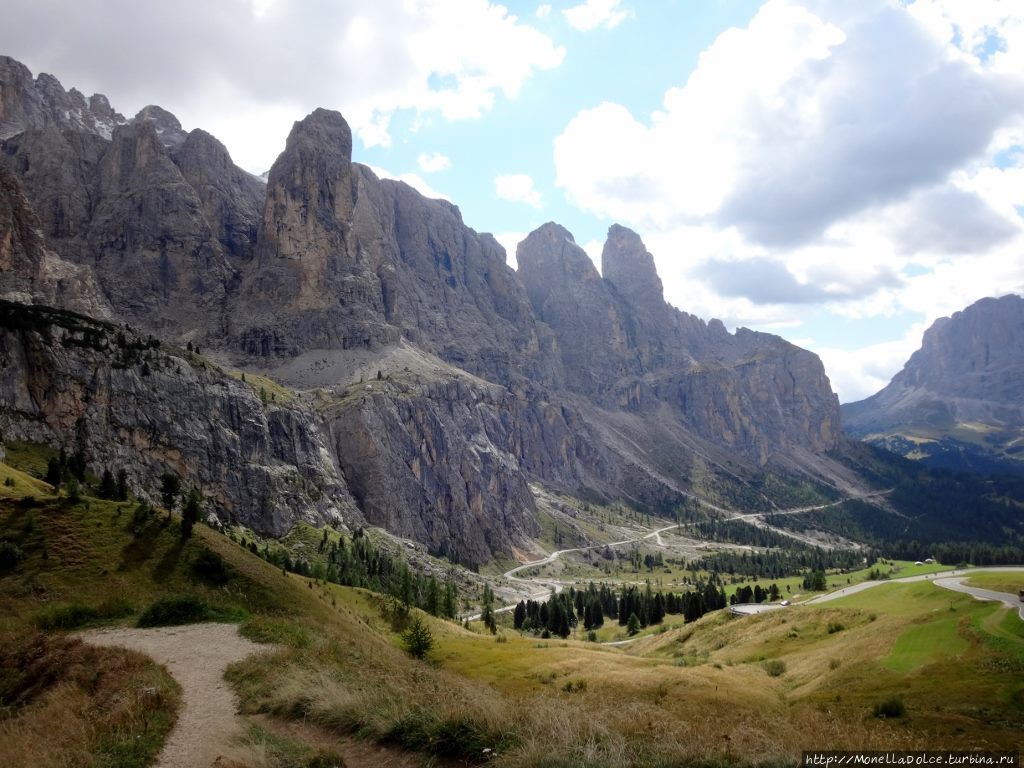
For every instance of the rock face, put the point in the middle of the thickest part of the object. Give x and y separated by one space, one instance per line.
31 274
487 380
959 400
87 386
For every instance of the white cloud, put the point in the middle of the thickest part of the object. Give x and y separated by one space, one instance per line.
367 58
859 373
594 249
830 160
790 125
510 241
414 180
517 188
543 11
433 162
592 14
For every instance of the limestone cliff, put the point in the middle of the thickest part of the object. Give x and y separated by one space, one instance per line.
432 384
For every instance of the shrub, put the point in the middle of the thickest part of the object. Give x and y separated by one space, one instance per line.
174 610
76 615
835 626
10 555
891 707
775 667
66 617
209 567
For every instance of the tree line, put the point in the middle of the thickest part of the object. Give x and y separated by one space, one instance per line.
631 607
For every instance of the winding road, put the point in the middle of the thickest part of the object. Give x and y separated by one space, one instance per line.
553 585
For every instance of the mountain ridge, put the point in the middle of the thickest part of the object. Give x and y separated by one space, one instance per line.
494 381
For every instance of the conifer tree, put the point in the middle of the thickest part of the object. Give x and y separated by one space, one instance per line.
633 624
191 513
417 638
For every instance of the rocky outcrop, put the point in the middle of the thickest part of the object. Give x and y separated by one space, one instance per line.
232 200
29 272
125 208
126 404
959 400
26 103
155 253
347 261
166 126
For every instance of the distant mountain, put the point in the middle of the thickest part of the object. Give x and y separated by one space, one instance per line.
959 400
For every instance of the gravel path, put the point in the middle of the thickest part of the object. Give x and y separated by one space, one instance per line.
196 655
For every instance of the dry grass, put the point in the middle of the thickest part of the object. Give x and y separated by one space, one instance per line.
70 704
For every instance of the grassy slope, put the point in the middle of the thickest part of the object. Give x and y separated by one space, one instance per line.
1000 582
698 693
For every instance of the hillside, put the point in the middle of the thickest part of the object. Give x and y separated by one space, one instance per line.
957 401
721 690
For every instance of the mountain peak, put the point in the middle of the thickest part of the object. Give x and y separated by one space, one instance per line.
168 128
324 131
549 255
629 267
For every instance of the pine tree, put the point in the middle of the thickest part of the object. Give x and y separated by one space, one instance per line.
633 624
191 512
108 487
53 472
417 638
450 607
170 487
519 615
121 493
432 602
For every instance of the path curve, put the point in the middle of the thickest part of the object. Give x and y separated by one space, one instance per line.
197 656
946 580
1007 599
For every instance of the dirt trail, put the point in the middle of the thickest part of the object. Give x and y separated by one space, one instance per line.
196 655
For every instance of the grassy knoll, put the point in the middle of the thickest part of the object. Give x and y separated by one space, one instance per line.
267 388
1000 582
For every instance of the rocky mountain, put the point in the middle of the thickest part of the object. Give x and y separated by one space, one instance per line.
959 400
26 103
428 385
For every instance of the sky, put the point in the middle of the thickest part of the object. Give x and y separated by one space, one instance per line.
839 173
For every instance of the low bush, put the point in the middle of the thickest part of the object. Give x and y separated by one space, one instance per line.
890 708
209 567
169 611
74 615
775 667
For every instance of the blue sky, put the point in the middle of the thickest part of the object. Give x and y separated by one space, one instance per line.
840 173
